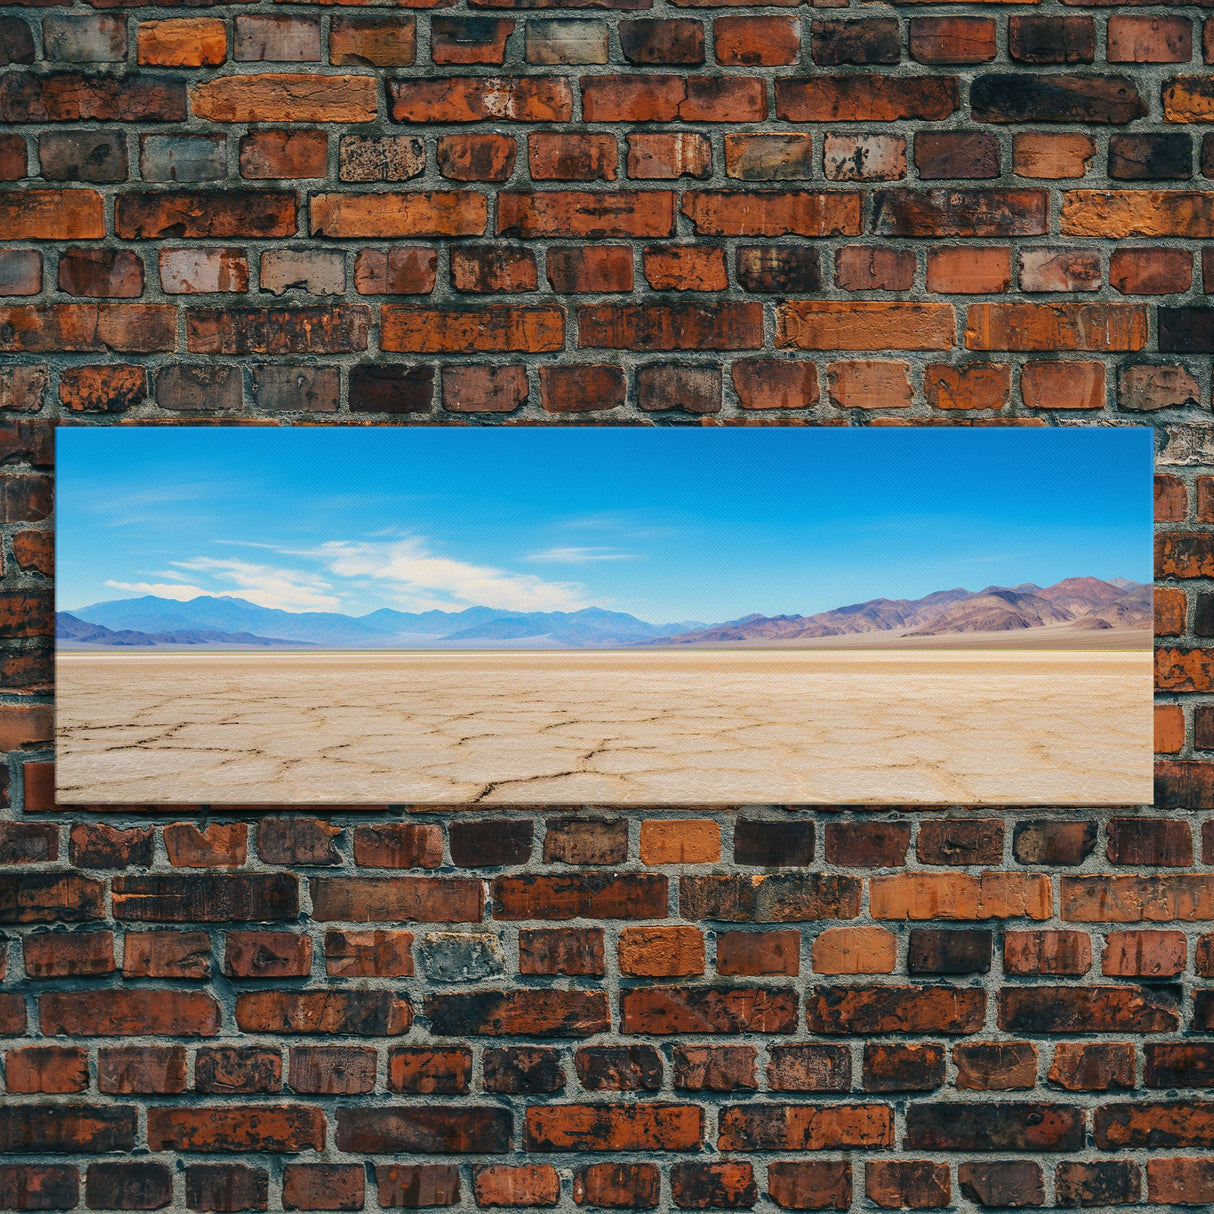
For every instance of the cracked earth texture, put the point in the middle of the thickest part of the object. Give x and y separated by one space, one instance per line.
979 727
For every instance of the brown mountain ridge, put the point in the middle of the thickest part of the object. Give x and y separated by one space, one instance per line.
1078 603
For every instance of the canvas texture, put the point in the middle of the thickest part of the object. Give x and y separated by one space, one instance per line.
607 212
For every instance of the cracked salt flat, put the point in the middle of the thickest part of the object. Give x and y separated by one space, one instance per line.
660 727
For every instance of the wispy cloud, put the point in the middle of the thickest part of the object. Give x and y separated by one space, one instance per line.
578 556
175 590
408 570
268 586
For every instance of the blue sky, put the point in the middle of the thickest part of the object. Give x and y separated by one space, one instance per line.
668 524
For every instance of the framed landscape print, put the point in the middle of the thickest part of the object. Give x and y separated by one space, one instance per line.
508 616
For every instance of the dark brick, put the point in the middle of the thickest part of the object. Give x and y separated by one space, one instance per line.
490 843
1150 157
959 951
773 844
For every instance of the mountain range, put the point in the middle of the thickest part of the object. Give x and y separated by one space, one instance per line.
1082 603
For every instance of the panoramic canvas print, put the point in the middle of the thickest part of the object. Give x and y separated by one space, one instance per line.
691 615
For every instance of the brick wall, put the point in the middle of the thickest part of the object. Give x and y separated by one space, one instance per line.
651 212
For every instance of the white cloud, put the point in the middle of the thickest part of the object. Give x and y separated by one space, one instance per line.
267 586
408 570
578 556
181 593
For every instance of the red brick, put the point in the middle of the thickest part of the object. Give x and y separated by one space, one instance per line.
285 97
378 41
166 954
903 1068
1169 728
590 270
199 214
952 39
613 1127
764 384
500 327
661 952
685 268
262 954
619 1186
365 954
400 270
419 1184
567 213
476 157
666 386
809 1068
804 1127
724 1185
108 388
332 1070
283 154
863 157
1097 327
706 1009
969 270
428 1071
773 213
404 1129
865 97
575 951
971 386
480 98
657 42
247 1127
668 155
907 1184
1093 1066
227 1069
677 326
517 1013
49 1069
1063 385
1179 1181
76 97
484 389
869 384
226 1187
399 845
219 845
988 213
427 213
182 42
317 1186
371 1013
497 1185
1134 271
102 328
581 388
864 325
122 1013
752 954
1059 1009
558 156
894 1009
956 154
59 954
756 41
810 1185
855 950
874 268
469 40
1050 156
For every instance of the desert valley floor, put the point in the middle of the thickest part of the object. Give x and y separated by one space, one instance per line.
995 726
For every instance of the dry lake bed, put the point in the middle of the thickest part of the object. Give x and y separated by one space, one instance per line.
1061 727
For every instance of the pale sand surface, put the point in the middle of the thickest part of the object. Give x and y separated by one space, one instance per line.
1068 727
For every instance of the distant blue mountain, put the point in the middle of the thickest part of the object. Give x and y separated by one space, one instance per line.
474 627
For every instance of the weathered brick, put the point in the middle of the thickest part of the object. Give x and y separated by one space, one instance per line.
613 1127
804 1127
865 97
1093 1066
894 1009
1004 1126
